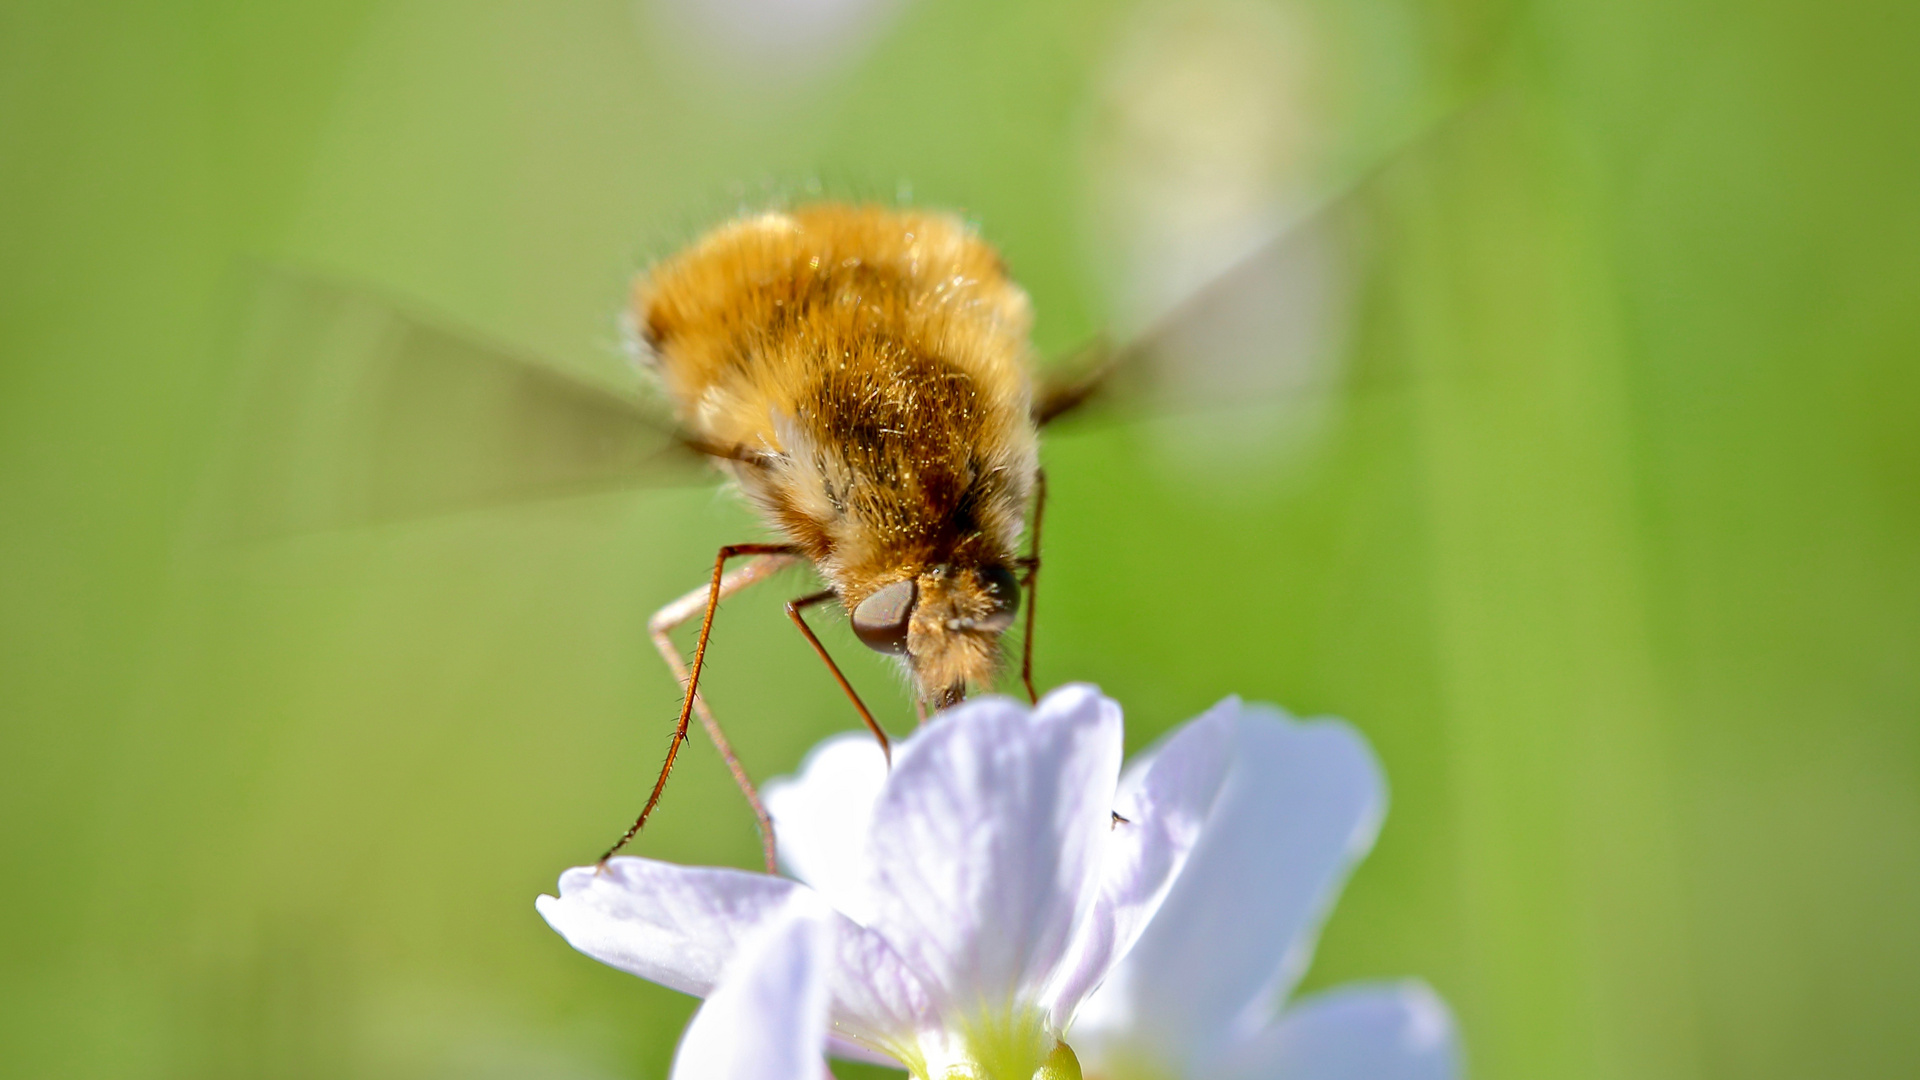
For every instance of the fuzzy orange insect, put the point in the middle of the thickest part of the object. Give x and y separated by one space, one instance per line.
866 377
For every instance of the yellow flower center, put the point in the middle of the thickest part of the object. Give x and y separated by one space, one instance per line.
1014 1046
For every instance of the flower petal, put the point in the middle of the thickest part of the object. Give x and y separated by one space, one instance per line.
1301 804
679 926
847 1050
821 818
878 1001
1164 798
767 1018
1392 1032
986 842
674 925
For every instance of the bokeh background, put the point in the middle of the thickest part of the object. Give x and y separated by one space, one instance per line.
1594 500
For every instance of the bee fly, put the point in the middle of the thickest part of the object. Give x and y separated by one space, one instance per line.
863 373
865 376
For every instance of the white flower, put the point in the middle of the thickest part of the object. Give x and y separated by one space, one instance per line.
1200 992
956 911
775 986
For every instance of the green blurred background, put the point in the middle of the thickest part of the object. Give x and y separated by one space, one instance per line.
1611 544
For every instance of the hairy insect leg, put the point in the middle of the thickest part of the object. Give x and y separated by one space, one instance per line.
794 608
707 598
1032 564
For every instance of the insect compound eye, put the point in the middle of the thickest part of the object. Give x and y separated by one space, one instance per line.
881 619
1004 590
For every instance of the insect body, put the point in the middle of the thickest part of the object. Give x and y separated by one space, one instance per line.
864 374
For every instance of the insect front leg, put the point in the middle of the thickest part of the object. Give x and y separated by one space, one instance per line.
1032 565
794 607
774 557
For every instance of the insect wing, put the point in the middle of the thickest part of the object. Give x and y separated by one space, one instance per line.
1265 328
354 409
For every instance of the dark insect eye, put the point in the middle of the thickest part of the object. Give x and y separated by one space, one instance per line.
1004 590
881 619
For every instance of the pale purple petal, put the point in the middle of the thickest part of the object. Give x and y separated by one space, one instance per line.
846 1050
1301 804
1394 1032
674 925
987 840
821 818
1165 798
679 926
767 1017
878 1000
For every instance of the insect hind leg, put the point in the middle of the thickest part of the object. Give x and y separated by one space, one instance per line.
773 557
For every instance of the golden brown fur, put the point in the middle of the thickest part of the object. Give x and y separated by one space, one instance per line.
864 373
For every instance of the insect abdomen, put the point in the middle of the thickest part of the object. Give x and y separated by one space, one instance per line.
879 358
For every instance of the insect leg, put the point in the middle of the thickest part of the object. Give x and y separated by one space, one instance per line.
663 621
1032 563
793 611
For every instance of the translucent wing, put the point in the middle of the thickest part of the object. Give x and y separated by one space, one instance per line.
1260 330
1267 327
355 409
1227 213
